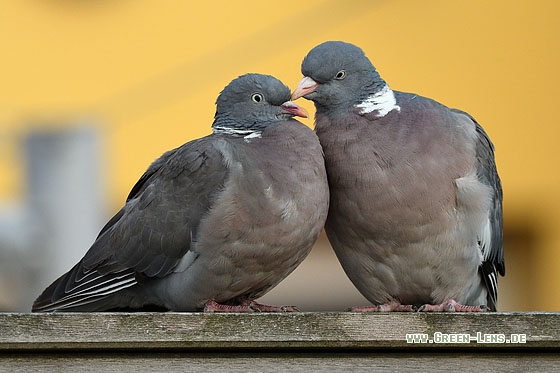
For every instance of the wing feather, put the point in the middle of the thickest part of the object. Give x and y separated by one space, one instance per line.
153 231
491 233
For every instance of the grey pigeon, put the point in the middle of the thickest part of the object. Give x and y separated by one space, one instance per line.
215 223
416 202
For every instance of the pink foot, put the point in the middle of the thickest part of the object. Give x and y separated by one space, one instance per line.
213 306
246 307
451 306
392 306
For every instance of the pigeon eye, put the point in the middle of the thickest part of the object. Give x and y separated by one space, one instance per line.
257 97
340 75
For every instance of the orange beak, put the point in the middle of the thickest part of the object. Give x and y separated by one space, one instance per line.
305 86
294 109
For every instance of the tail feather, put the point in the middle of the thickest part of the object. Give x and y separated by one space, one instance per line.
489 275
87 294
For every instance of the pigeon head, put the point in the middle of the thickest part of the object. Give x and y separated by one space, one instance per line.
252 102
337 74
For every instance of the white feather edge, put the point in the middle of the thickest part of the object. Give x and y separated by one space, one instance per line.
89 295
383 102
247 134
485 238
112 285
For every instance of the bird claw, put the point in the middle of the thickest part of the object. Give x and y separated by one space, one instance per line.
212 306
248 306
392 306
268 308
254 308
451 305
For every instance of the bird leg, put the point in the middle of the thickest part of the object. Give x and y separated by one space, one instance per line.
451 305
392 306
246 306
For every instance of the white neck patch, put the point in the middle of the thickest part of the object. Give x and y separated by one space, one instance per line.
383 101
247 134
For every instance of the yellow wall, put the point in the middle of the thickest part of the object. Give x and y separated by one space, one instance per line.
149 73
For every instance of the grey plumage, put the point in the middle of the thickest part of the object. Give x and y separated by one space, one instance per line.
223 218
416 201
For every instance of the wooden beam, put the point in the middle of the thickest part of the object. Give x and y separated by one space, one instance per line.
151 332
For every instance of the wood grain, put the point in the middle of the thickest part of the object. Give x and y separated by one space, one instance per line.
295 341
264 330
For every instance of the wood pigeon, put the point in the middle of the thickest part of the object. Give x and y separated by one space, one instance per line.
416 202
215 223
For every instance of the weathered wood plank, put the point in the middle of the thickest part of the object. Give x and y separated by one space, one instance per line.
290 331
281 362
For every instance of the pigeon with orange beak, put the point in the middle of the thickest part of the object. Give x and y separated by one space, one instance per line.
214 224
416 201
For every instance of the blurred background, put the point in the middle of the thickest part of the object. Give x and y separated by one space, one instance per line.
93 91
